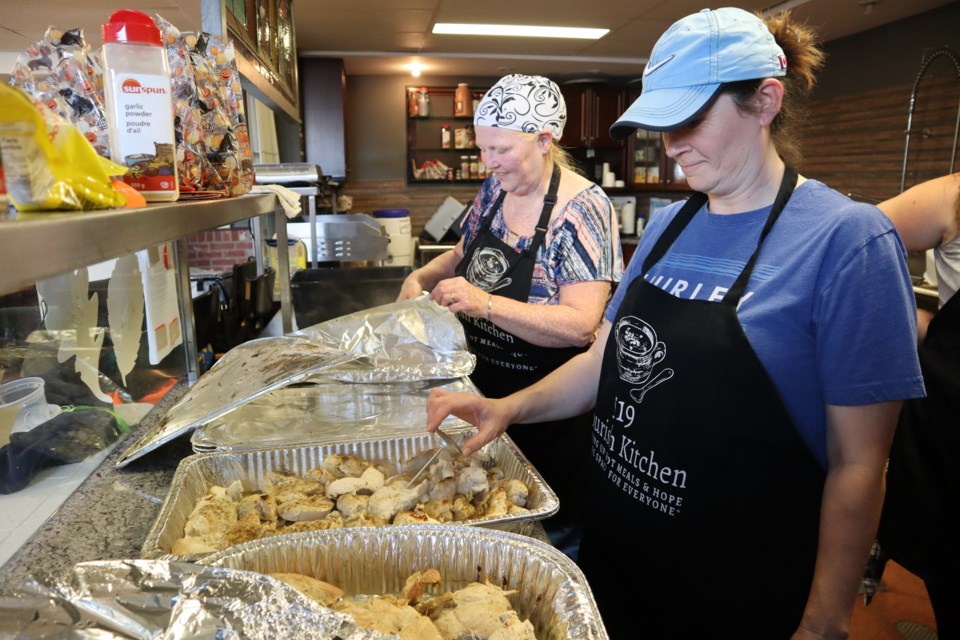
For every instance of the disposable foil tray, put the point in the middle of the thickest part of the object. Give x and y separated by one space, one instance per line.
551 591
197 473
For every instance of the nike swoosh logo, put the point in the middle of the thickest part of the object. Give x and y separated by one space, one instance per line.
651 68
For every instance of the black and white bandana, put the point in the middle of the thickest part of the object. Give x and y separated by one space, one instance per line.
523 103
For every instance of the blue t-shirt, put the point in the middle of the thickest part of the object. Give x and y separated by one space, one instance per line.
829 308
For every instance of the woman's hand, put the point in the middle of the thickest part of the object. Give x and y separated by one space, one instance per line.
460 296
411 288
489 416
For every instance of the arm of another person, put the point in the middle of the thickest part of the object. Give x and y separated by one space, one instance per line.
858 442
570 390
926 215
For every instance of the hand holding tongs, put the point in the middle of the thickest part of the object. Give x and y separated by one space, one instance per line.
448 444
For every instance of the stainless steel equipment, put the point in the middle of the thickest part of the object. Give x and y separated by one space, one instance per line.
332 237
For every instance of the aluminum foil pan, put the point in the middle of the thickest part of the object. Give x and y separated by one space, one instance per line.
326 411
400 342
197 473
248 370
551 590
153 599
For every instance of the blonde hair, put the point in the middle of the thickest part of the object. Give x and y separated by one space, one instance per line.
560 156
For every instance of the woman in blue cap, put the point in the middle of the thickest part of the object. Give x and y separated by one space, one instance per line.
749 370
531 274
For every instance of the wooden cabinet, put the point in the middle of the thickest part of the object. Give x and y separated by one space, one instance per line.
648 167
426 136
263 33
591 108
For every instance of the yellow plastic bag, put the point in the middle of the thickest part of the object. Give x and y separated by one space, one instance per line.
47 162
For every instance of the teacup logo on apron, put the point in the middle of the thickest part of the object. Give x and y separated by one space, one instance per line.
638 352
487 267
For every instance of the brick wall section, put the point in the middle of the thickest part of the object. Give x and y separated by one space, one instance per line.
855 143
219 249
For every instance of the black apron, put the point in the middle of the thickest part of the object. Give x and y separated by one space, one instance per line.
507 363
923 478
704 499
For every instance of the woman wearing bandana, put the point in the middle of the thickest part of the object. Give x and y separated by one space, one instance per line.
531 273
749 370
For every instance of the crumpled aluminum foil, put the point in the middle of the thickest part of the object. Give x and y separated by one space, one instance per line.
326 411
400 342
245 372
160 600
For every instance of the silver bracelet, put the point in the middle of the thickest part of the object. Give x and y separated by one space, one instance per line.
489 305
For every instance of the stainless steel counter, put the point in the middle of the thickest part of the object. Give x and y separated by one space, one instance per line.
41 245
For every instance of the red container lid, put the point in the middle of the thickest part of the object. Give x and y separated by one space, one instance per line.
130 25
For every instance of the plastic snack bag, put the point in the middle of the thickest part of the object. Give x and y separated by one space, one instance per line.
59 72
198 178
48 163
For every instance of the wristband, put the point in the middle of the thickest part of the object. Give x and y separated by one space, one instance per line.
489 305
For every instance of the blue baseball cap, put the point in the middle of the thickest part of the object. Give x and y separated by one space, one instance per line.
691 62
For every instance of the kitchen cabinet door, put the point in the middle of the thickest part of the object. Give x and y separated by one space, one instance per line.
591 108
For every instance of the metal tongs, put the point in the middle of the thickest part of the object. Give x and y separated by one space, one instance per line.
448 444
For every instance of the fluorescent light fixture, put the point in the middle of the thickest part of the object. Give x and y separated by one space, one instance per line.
527 31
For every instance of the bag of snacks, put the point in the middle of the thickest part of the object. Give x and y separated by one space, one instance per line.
59 72
198 177
209 108
48 163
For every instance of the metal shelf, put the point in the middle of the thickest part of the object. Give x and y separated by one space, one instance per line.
40 245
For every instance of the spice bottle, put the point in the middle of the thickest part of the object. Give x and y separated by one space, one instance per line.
462 100
423 102
465 167
445 136
139 104
474 168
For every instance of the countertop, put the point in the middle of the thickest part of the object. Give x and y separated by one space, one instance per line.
110 514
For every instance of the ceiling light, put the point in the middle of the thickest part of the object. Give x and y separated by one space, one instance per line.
415 69
518 30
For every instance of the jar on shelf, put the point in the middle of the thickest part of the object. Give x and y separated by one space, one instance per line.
445 136
474 168
465 167
462 100
423 102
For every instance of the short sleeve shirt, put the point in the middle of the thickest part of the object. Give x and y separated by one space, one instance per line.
582 242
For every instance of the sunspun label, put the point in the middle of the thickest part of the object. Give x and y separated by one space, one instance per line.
145 124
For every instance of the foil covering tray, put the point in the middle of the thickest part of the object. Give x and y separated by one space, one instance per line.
551 590
197 473
248 370
326 411
154 599
399 342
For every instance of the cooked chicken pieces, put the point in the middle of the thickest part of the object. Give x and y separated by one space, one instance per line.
318 590
348 491
475 612
482 611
